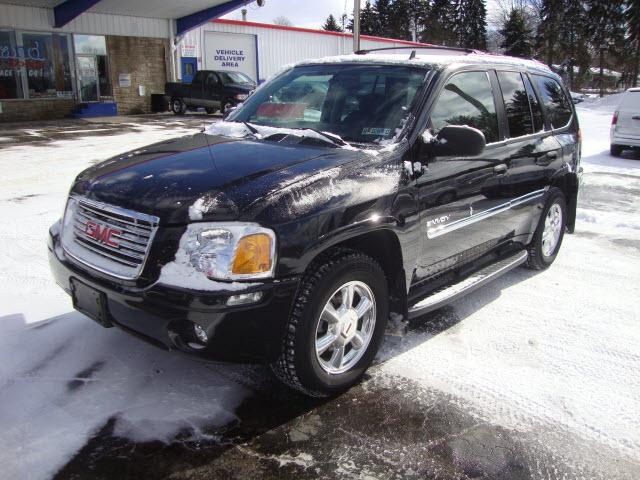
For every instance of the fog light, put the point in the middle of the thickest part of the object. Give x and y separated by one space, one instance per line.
201 334
244 298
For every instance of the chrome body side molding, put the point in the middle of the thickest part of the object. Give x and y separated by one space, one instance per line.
442 229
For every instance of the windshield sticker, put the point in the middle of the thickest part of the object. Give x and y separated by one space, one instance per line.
281 110
381 132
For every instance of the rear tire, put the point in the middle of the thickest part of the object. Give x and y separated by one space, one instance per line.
550 231
616 150
209 110
328 346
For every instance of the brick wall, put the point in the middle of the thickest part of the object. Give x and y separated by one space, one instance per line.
20 110
145 60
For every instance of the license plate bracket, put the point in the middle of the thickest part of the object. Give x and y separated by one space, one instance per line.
91 302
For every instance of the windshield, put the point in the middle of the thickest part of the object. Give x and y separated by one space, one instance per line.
359 103
234 77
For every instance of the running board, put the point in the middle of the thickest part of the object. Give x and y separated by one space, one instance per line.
467 285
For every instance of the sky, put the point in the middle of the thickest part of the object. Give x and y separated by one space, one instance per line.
304 13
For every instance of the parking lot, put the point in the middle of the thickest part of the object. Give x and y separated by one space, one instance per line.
534 376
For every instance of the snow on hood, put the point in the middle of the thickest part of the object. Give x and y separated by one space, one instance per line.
427 60
240 130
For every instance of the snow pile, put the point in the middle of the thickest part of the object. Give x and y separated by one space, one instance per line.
607 103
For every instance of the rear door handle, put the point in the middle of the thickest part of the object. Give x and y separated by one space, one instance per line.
500 169
636 117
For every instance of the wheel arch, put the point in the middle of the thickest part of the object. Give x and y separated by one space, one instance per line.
568 185
383 245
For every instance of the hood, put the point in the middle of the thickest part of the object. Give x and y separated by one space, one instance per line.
203 177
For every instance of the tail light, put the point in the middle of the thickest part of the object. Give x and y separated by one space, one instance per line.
614 120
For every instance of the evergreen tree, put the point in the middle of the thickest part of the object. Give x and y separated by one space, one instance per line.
472 24
551 13
331 25
438 26
384 11
368 20
606 30
632 19
573 39
399 24
518 41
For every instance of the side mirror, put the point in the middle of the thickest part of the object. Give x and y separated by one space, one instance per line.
456 141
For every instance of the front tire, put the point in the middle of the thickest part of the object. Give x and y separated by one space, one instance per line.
178 107
336 326
226 105
550 231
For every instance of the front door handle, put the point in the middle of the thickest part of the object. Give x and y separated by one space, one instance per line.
636 117
500 169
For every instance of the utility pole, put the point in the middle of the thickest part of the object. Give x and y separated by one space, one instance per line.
356 25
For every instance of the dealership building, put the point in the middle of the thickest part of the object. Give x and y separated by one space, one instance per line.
106 57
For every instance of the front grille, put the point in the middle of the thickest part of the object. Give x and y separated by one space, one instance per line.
108 238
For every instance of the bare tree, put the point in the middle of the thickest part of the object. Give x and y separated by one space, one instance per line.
282 20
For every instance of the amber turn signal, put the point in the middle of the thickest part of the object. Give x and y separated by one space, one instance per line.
253 255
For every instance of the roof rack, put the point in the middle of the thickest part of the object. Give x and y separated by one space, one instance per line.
416 47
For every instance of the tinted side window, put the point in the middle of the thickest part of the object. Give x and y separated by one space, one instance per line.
536 109
555 101
467 99
516 103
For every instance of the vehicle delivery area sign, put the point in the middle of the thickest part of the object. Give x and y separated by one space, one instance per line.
231 51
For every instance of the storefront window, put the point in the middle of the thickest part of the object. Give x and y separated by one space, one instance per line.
10 68
35 65
47 65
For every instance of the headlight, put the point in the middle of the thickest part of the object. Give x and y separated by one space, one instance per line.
242 96
232 251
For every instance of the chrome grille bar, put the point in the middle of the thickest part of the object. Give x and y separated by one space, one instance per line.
107 238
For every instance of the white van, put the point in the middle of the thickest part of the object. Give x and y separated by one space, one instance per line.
625 126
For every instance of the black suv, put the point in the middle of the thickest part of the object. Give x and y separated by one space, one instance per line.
343 191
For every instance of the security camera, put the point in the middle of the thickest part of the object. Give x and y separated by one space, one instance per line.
260 3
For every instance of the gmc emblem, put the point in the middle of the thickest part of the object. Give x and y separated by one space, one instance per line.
101 233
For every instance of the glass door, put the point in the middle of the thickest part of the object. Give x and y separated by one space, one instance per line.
88 78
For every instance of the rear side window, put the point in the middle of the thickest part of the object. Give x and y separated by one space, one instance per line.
630 102
555 101
516 102
467 99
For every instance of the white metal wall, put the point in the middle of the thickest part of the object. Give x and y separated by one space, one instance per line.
278 48
41 19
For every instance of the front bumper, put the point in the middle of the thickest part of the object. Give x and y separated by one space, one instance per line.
165 316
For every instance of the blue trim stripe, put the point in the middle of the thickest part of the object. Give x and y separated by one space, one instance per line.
70 9
189 22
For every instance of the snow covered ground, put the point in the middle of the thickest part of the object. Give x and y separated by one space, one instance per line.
552 356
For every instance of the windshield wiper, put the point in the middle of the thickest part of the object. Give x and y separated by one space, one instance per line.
335 139
251 128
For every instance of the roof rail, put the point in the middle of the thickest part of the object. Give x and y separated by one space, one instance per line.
416 47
